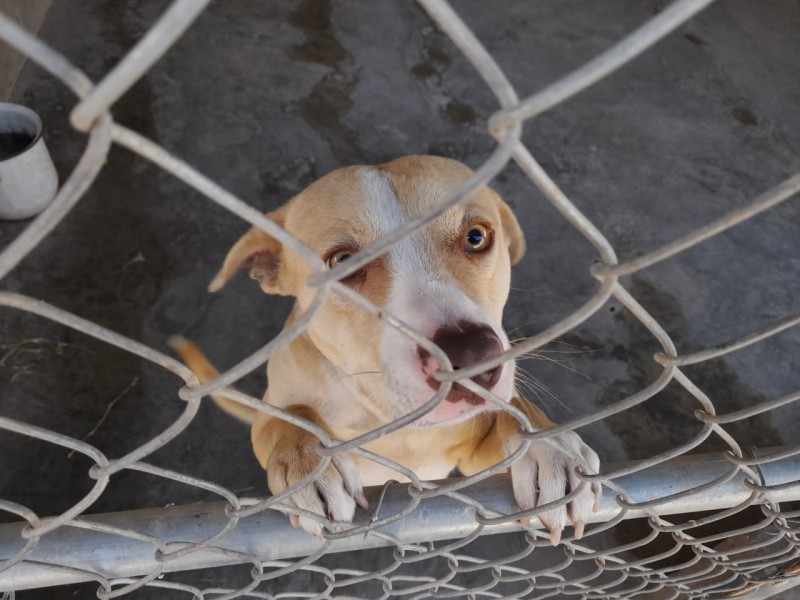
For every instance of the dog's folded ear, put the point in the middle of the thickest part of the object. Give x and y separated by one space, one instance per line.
513 232
258 251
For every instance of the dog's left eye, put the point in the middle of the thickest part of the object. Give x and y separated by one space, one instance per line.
477 239
340 256
337 257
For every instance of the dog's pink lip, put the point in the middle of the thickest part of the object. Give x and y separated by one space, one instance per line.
449 411
457 393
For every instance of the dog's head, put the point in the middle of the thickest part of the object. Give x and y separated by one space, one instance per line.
449 280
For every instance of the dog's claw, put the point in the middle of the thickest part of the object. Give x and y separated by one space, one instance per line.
333 495
579 527
555 535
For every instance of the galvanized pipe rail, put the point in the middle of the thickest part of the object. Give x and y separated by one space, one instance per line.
437 518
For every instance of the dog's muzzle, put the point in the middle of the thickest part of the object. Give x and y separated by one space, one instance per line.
465 344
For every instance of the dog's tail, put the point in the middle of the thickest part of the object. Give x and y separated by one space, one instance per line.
205 371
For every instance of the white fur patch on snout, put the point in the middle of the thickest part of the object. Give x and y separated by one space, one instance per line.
428 306
425 296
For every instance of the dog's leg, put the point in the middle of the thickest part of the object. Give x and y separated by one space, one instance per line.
288 454
545 473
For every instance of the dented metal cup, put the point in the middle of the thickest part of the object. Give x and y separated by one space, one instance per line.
28 179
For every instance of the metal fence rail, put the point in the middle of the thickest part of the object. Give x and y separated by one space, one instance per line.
126 551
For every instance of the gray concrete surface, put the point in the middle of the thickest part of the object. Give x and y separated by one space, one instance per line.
29 14
266 97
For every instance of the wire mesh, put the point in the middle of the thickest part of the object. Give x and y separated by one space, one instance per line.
745 560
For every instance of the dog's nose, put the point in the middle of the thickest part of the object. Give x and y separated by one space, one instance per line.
467 344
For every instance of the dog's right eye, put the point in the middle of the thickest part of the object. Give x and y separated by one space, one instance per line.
478 238
337 257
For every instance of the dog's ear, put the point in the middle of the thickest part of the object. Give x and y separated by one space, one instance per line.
516 240
261 253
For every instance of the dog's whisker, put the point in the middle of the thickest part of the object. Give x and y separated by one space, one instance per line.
524 380
577 348
541 354
527 387
547 350
518 327
543 400
531 354
561 364
535 355
556 362
538 385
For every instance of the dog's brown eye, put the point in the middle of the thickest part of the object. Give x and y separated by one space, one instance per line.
478 238
340 256
337 257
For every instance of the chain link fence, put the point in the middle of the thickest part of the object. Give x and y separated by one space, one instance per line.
739 540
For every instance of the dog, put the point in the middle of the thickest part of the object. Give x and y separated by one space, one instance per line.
349 372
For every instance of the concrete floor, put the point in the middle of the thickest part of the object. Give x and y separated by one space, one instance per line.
266 97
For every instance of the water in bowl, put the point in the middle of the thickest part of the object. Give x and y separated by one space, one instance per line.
14 142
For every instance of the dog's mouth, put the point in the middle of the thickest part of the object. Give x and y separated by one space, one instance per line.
458 393
466 345
459 404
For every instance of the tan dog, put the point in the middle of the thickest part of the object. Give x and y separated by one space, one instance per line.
350 372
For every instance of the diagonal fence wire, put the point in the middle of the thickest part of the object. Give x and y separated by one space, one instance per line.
752 560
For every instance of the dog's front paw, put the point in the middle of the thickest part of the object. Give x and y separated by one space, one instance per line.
546 473
333 494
